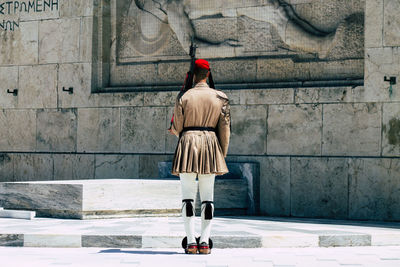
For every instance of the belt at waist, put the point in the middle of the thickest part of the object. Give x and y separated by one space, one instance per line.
197 128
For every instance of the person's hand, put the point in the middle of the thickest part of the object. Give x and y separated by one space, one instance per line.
170 131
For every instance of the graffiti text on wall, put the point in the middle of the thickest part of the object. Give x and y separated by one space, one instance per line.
27 6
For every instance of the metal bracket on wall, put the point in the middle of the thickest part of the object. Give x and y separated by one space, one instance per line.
14 92
70 90
391 80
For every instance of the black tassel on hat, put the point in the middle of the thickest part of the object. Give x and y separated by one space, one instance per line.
211 81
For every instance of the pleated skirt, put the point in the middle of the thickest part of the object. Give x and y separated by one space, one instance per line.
199 152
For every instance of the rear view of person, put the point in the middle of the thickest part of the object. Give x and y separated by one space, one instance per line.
202 122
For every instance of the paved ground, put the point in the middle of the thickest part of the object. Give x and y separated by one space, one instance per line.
262 257
167 232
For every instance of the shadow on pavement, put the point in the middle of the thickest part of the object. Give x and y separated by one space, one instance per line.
139 252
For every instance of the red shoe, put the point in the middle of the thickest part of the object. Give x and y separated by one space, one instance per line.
204 248
191 248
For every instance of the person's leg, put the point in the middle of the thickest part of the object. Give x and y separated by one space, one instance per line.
188 186
206 187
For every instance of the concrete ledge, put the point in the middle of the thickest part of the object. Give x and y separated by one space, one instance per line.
115 198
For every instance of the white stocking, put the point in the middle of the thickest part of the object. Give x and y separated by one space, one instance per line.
188 186
206 187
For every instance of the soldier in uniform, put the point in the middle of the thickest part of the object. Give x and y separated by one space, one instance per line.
202 123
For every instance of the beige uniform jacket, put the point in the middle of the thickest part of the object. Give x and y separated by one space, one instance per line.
201 152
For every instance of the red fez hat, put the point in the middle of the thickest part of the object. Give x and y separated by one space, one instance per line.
202 64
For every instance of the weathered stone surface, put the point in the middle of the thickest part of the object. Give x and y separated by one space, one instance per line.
11 240
234 96
143 34
52 240
266 96
341 69
72 167
59 41
352 129
316 12
116 166
46 197
117 100
234 241
216 30
148 165
17 130
275 186
76 8
77 76
33 167
197 9
143 129
233 71
380 62
8 81
111 241
282 69
294 130
343 240
37 86
160 98
391 25
339 94
391 129
256 36
374 186
319 187
85 39
56 130
373 23
99 130
85 199
326 94
20 46
169 73
133 74
349 39
6 168
249 130
42 11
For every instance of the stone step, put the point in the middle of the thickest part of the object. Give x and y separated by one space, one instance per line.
167 232
112 198
17 214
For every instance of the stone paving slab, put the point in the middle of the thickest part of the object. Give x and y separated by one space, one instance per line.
256 257
167 232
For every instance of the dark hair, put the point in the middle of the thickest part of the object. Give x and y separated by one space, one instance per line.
200 73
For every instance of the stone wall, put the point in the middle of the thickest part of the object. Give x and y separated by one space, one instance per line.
323 151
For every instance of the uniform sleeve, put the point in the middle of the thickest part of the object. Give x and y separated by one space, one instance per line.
224 127
177 124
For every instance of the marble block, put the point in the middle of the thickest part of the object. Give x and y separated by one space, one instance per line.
17 214
240 178
111 198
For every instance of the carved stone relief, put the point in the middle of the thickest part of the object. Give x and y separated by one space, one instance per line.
158 31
